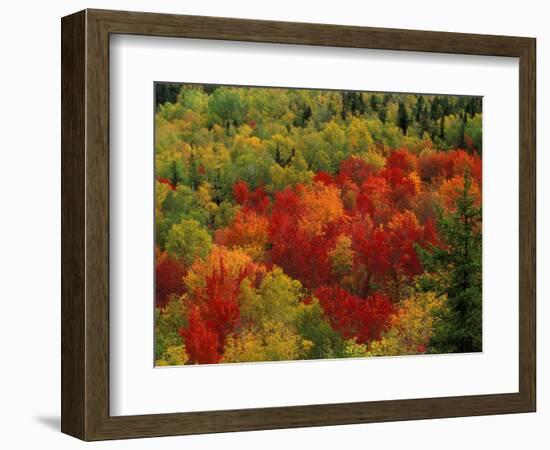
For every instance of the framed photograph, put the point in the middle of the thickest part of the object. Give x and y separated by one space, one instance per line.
272 225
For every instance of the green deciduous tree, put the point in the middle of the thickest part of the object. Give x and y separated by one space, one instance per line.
227 107
187 240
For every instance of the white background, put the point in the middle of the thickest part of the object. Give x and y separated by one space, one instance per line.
30 238
136 387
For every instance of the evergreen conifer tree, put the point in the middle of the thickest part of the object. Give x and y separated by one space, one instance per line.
458 275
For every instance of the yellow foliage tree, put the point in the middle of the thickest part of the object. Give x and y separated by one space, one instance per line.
234 260
411 327
173 356
360 139
341 260
274 342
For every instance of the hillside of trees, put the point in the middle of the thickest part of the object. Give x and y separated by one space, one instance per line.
308 224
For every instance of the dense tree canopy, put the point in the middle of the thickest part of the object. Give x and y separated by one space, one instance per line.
308 224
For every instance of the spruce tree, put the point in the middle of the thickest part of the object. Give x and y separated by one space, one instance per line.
382 113
457 268
462 133
176 173
403 118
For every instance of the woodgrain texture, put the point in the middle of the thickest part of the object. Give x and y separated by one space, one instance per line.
85 224
73 226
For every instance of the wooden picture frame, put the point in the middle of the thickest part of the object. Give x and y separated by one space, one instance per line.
85 224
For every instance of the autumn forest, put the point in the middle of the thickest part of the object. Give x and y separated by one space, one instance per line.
295 224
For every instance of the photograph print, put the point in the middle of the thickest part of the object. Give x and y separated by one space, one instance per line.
307 224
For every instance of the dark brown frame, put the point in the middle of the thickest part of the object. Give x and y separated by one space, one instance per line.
85 224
